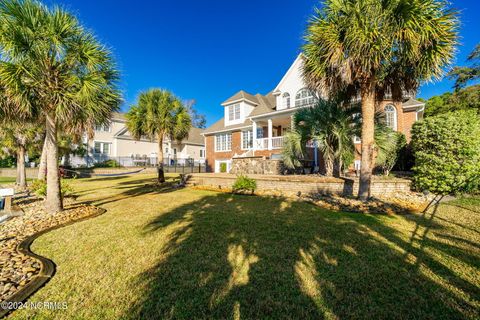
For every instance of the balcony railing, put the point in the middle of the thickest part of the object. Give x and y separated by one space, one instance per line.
262 143
277 142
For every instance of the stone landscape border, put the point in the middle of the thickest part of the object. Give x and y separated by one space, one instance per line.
48 268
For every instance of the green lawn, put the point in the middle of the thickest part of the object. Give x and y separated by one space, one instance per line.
9 180
6 180
199 254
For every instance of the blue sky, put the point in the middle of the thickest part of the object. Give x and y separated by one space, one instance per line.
208 50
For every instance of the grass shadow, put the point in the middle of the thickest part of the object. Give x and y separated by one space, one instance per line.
232 256
131 189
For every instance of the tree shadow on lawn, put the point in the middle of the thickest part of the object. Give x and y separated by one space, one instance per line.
256 257
131 189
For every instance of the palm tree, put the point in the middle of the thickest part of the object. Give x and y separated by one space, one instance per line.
16 135
159 114
332 125
17 139
49 58
462 75
370 48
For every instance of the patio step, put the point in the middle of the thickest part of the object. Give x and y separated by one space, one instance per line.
192 182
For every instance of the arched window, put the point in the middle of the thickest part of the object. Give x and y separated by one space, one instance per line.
286 100
304 97
391 117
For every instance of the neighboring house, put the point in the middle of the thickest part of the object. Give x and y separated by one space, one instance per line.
113 141
254 125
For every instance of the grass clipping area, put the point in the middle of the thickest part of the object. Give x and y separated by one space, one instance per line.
184 253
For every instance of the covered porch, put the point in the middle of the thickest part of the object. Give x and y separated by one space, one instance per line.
269 131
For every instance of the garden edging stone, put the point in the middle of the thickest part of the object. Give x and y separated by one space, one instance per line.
47 269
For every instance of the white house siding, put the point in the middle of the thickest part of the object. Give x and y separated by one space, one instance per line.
127 150
245 110
194 152
292 82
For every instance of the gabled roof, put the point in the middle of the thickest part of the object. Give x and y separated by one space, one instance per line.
118 116
195 136
412 103
220 126
241 96
266 104
299 58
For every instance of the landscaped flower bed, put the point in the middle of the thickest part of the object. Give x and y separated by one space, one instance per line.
17 269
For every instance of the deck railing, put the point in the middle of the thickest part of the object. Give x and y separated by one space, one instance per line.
277 142
262 143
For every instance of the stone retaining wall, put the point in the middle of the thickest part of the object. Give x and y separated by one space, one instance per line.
256 165
293 185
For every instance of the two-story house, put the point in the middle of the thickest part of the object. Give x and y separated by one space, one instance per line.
254 125
114 142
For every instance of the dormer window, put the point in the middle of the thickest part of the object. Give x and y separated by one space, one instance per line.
304 98
234 112
286 100
103 128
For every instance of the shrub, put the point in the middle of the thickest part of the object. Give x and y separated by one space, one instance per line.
405 160
223 167
39 187
447 153
244 183
8 162
107 164
389 152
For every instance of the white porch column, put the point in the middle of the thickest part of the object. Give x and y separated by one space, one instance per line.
270 134
254 128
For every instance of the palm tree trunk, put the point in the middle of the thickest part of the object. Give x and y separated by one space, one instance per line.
42 168
368 140
54 201
337 168
21 173
161 173
17 178
328 166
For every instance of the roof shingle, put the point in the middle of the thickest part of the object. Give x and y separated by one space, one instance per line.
241 95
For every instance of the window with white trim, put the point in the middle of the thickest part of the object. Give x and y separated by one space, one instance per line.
247 139
103 128
202 153
223 142
304 98
102 147
391 117
234 112
259 132
286 100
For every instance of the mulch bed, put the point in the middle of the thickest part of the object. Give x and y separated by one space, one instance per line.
400 203
17 269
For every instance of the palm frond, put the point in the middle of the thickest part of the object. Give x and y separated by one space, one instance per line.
159 113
